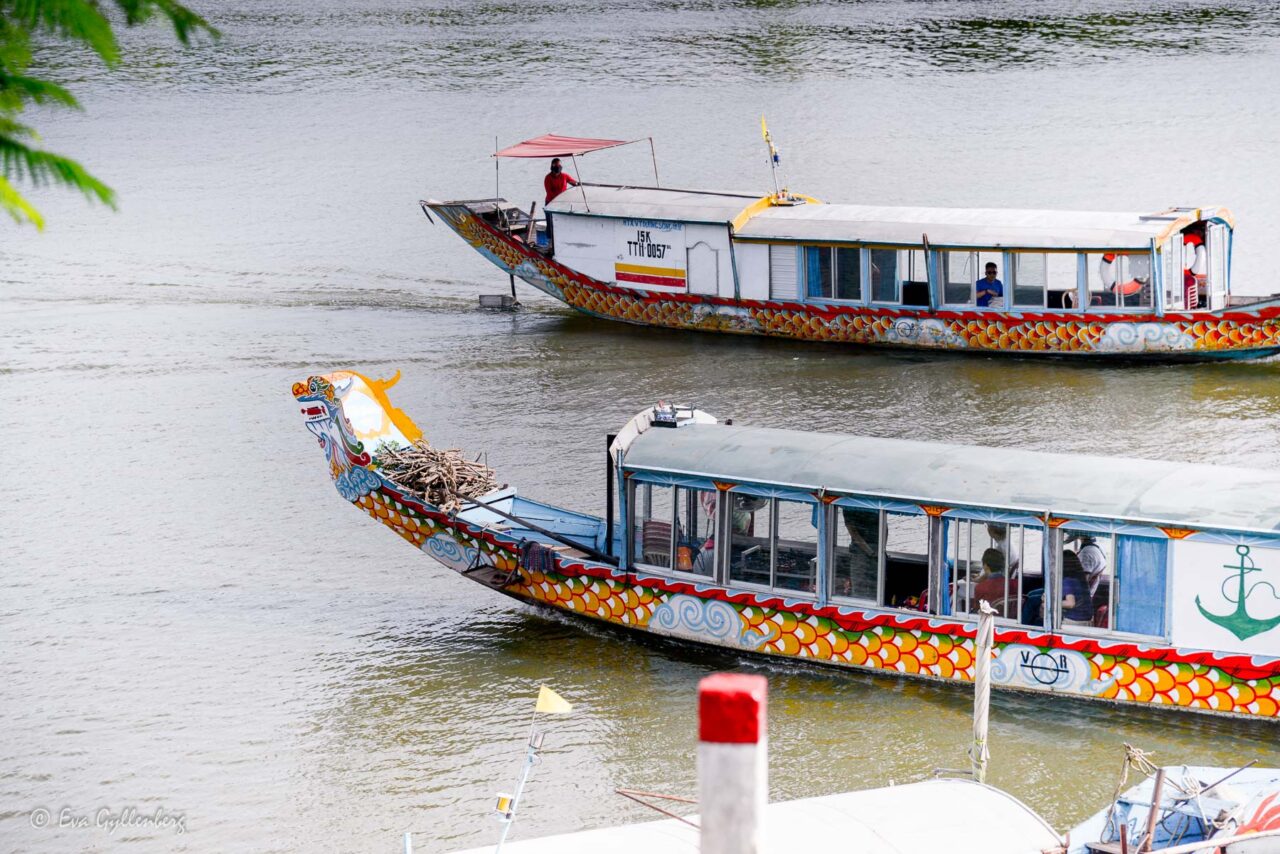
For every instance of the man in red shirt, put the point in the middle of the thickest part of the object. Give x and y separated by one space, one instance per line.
557 181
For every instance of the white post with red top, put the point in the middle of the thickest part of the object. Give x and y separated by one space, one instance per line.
733 774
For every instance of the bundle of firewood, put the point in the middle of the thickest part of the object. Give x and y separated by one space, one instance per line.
444 478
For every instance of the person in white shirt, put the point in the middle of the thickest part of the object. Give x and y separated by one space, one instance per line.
1093 558
1012 551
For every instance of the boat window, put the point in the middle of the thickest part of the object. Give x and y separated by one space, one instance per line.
653 518
1120 280
774 543
959 272
998 562
905 560
796 550
833 272
884 275
751 540
695 533
1142 565
1086 586
1062 278
855 559
1029 279
1126 579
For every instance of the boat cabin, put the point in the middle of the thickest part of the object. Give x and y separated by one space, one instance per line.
741 247
1060 543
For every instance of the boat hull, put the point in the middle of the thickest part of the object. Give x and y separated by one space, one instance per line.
869 639
1234 334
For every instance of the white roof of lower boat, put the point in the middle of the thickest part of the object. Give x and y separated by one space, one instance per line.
1172 494
876 224
960 816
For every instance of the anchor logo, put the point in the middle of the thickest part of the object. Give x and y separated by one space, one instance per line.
1238 622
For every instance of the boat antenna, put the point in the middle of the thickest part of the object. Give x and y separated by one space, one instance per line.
774 160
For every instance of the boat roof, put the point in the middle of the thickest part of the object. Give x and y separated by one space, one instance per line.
880 224
652 203
1079 485
873 821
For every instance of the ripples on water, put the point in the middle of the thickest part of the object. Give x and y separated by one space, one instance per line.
287 45
192 618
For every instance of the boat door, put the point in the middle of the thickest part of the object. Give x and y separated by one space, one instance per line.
1218 247
704 269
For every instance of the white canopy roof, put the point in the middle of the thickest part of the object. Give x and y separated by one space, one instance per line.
1175 494
963 817
964 227
948 227
652 203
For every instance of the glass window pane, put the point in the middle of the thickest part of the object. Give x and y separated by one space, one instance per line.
695 536
856 560
1141 573
796 565
849 274
990 293
1027 578
906 560
750 543
1062 273
818 273
1029 279
1132 285
1087 573
959 272
653 511
884 275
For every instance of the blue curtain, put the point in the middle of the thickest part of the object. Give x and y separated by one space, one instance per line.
1142 567
813 270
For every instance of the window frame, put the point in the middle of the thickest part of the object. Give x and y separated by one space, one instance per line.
1092 255
834 250
832 536
633 518
772 586
1114 601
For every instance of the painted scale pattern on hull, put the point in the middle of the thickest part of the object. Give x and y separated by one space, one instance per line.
1237 334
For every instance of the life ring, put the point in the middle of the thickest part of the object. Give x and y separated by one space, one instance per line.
1192 244
1129 288
1107 269
1201 264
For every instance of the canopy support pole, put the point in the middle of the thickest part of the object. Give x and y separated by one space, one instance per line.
578 169
654 157
497 181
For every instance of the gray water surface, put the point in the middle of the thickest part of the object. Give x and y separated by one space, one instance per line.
193 620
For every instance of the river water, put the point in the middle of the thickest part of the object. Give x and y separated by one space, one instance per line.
193 621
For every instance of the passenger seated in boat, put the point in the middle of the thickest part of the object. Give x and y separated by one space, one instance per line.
1077 603
991 586
990 288
1093 560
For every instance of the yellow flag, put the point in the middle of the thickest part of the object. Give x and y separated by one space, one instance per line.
551 703
764 128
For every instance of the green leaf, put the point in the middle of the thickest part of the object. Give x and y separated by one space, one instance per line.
35 90
41 168
12 202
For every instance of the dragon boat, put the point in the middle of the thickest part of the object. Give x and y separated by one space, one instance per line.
1144 285
1123 580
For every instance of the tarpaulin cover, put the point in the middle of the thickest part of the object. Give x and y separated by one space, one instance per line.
552 145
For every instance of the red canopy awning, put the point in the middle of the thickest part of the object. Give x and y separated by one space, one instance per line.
552 145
